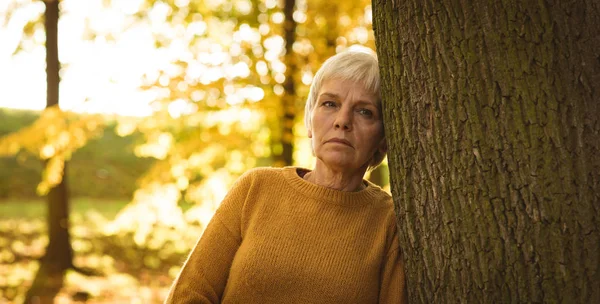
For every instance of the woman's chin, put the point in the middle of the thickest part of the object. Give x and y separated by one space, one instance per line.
338 162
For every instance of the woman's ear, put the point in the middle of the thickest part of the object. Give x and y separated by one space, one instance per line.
309 131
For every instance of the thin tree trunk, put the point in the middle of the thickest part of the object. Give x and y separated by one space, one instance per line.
493 121
332 32
59 254
288 100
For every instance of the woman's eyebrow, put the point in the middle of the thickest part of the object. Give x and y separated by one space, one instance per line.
334 96
366 102
330 95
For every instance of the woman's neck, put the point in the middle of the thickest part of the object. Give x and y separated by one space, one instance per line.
337 179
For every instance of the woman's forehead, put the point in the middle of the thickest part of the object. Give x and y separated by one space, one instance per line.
338 88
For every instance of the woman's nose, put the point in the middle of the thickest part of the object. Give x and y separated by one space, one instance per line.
343 120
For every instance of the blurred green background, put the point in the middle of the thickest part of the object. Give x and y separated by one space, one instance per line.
105 168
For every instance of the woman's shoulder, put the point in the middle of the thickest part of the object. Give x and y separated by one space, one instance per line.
261 172
259 175
251 182
383 197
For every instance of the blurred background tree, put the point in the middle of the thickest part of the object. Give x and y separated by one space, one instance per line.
53 138
224 84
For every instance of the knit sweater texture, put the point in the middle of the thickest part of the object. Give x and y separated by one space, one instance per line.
277 238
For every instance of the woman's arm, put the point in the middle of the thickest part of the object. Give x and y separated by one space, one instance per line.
204 275
393 283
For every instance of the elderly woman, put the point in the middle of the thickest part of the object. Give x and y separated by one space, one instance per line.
292 235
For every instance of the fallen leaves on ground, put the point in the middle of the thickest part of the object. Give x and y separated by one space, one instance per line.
131 272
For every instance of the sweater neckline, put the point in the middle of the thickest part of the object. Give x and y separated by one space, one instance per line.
320 193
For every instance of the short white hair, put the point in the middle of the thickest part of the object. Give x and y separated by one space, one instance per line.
356 65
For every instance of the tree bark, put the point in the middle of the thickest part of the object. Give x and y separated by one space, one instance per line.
59 253
492 114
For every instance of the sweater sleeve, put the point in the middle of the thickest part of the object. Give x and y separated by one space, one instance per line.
204 275
393 283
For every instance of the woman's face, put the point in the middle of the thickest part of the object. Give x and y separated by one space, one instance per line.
346 128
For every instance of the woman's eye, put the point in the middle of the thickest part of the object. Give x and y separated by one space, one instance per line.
366 112
328 104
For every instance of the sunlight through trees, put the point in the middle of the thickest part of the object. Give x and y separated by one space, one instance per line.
212 87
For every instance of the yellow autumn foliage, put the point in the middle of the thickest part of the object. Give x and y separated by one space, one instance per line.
53 138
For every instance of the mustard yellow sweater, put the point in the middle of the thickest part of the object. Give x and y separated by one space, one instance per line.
277 238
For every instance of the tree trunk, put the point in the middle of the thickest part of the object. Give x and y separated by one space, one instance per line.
493 121
332 31
59 253
285 155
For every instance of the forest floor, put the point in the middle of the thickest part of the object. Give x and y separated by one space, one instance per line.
130 273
